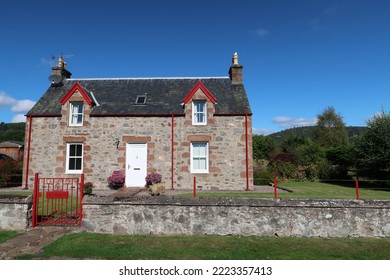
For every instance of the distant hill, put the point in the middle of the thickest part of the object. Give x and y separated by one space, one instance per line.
307 131
12 131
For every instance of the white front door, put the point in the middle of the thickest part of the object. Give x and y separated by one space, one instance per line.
136 164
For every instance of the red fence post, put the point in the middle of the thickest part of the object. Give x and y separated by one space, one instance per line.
275 189
35 200
357 189
194 186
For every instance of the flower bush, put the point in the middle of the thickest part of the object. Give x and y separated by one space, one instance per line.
153 178
116 179
10 173
88 188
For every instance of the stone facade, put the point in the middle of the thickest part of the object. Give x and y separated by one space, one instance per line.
229 138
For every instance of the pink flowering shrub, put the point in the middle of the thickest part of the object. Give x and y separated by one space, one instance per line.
153 178
117 179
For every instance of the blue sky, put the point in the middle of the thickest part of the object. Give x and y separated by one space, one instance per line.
299 56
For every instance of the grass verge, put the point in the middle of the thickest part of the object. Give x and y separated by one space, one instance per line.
7 234
141 247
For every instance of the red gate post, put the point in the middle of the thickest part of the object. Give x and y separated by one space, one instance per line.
82 196
275 189
194 186
357 189
35 201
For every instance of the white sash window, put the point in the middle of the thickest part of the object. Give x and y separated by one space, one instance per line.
76 111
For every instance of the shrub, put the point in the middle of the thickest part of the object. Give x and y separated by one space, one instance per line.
88 188
153 178
10 173
116 179
263 177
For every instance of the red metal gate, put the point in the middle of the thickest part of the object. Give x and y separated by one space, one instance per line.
57 201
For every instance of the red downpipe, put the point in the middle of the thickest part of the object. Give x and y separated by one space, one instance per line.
246 152
28 151
172 159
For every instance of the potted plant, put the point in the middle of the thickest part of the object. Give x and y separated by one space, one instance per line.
153 182
116 180
88 188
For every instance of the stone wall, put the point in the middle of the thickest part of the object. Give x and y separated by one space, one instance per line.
259 217
15 212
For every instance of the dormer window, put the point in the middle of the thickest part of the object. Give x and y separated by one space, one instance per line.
199 116
141 99
76 111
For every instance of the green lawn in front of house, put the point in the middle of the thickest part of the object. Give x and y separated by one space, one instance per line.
151 247
309 190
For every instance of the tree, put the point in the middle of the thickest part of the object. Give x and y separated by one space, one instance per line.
373 148
262 146
330 129
293 141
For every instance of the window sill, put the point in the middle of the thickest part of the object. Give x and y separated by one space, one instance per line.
73 172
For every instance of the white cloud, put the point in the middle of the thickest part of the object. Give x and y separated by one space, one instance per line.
289 122
260 32
262 131
16 106
18 118
5 100
22 106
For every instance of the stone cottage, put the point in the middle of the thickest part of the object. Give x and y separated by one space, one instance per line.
13 149
178 127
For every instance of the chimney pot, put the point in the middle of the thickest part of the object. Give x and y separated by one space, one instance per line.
235 71
61 62
60 70
235 58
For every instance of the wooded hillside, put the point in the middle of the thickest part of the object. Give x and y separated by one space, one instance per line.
308 132
12 131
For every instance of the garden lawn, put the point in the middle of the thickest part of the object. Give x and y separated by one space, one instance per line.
308 190
139 247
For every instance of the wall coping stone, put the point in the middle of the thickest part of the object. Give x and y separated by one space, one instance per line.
237 202
15 199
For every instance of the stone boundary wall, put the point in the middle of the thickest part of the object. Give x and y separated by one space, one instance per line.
15 212
258 217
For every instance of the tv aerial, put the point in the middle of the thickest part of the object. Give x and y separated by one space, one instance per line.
59 71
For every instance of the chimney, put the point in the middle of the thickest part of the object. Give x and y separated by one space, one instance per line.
235 71
59 73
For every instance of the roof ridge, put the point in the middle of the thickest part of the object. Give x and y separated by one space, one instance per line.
148 78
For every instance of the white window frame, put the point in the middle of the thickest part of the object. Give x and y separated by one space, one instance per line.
195 113
74 116
195 157
76 157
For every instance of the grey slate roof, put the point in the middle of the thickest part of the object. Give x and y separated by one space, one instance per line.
164 96
11 144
